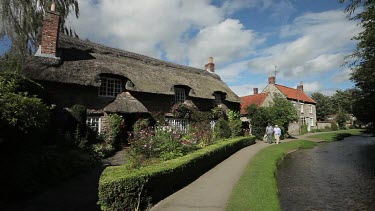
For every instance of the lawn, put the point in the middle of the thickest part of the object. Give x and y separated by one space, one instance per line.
336 135
257 188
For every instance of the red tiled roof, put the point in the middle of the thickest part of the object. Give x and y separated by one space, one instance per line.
257 99
291 93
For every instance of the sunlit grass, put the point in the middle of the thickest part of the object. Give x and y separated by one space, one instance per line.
257 188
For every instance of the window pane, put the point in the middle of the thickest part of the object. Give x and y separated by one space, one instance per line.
110 87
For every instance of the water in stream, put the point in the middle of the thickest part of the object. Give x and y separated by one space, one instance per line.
333 176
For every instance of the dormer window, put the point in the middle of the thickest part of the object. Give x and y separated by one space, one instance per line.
110 87
217 98
179 95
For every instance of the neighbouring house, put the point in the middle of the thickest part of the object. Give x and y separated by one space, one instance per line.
108 80
305 106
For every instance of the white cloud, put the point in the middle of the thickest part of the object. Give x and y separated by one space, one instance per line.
319 44
311 87
146 27
180 30
225 41
248 89
232 72
328 92
342 76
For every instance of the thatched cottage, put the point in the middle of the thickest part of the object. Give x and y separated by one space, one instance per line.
108 80
306 107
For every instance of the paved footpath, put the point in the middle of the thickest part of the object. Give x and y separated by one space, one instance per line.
212 190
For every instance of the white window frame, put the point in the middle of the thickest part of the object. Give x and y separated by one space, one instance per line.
311 109
94 122
179 124
179 95
301 108
110 87
312 121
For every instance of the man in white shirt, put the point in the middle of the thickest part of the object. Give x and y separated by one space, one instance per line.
277 133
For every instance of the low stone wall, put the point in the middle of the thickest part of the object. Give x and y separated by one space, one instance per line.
293 128
323 125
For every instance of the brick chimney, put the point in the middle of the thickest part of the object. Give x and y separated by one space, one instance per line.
255 91
300 86
271 80
50 32
210 66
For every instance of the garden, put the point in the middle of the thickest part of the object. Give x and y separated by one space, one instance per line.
161 158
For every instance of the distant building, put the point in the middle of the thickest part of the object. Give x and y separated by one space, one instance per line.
306 107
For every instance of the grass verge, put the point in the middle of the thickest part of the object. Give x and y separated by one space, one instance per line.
337 135
257 188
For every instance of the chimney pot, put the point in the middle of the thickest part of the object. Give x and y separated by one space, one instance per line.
255 91
271 80
300 87
210 66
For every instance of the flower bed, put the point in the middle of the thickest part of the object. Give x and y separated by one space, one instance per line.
124 189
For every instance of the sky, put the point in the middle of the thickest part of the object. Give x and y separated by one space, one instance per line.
307 40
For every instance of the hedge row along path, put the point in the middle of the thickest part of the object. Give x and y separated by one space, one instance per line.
81 193
212 190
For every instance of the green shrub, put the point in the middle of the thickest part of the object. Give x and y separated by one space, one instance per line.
218 113
334 126
304 129
103 150
79 112
201 133
221 130
235 127
115 131
124 189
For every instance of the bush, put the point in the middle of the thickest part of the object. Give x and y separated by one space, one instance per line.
115 131
221 130
103 150
163 142
334 126
235 127
303 129
181 110
123 189
218 113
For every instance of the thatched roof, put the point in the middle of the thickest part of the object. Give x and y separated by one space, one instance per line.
82 62
126 103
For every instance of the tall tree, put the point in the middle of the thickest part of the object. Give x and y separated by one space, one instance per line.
364 60
342 101
323 105
21 20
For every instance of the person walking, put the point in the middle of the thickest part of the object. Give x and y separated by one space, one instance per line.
269 132
277 133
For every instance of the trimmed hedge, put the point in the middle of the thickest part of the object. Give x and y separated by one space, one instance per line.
123 189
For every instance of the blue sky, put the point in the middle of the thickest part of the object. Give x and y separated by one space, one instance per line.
306 39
